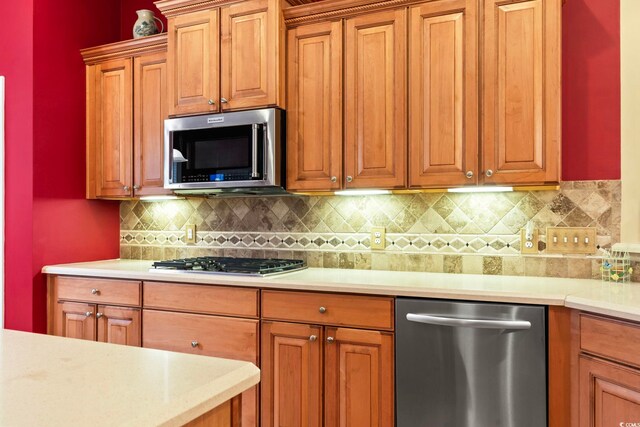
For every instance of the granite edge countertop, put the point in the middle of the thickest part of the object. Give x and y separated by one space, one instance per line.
622 301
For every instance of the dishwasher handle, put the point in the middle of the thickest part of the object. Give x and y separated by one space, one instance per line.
469 323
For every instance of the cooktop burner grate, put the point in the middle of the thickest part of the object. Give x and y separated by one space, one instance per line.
230 265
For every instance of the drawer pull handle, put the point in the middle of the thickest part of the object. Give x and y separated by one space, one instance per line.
88 313
99 315
312 338
95 291
194 344
330 340
322 310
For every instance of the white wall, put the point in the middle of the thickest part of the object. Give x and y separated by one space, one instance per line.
630 98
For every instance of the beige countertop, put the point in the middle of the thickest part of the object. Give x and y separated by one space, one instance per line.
591 295
53 381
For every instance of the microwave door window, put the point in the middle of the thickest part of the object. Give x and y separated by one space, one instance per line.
215 154
232 153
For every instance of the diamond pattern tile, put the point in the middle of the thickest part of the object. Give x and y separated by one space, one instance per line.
426 223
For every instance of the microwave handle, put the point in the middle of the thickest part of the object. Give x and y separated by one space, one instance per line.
254 150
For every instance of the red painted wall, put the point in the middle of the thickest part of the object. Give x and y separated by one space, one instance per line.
16 64
591 90
82 230
47 218
128 15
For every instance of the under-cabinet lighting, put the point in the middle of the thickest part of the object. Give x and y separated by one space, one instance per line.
361 192
158 198
480 190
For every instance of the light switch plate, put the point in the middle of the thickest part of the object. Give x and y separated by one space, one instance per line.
190 233
571 240
378 238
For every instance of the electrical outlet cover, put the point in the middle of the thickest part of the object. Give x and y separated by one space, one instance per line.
378 238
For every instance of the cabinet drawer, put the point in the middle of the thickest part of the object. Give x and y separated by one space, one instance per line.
614 339
329 309
201 299
226 337
101 291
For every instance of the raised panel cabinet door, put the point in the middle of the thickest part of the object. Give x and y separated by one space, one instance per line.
193 63
150 109
75 320
521 91
114 120
250 54
375 97
119 325
291 375
609 394
443 100
314 107
359 380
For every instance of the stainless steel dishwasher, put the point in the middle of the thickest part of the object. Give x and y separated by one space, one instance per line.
462 364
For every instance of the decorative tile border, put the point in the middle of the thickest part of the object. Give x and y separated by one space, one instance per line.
406 243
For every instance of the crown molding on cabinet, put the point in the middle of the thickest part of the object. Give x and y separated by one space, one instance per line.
125 49
337 9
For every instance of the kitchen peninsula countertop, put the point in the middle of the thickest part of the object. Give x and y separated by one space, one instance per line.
53 381
590 295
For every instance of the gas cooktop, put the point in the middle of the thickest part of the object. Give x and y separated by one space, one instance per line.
229 265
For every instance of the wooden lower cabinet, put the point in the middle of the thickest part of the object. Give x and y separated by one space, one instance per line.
291 375
115 325
609 394
75 320
218 336
357 384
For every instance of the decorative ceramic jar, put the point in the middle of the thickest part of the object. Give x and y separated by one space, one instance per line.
146 24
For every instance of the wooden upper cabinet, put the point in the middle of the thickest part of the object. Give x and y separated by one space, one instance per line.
291 375
375 96
521 98
112 100
74 320
359 384
150 109
193 62
314 107
126 107
443 94
250 51
119 325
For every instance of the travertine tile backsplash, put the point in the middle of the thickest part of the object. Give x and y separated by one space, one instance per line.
440 232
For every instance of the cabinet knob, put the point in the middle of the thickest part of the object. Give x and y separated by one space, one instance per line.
211 102
99 315
312 338
95 291
334 179
349 178
469 174
88 313
223 100
489 173
322 310
194 344
125 188
330 339
136 187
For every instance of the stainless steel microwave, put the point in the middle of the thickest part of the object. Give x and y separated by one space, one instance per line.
239 152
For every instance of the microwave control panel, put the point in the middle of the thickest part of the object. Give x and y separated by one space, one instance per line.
217 177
